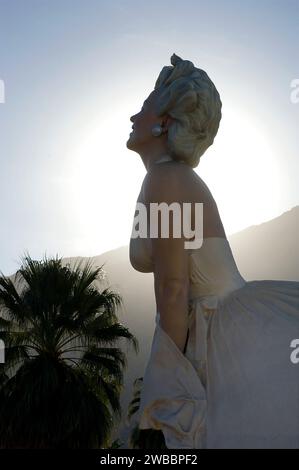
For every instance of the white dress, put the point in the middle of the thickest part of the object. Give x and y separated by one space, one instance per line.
236 385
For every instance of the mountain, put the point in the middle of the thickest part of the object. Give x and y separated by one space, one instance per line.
269 250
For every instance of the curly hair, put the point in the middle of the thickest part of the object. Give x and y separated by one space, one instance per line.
189 96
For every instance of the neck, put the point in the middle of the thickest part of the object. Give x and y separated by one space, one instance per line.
149 162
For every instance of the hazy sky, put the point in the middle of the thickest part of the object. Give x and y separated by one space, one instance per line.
76 70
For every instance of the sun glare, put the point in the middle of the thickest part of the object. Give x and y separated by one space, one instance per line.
243 172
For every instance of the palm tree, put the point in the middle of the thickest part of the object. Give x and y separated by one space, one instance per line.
62 377
143 438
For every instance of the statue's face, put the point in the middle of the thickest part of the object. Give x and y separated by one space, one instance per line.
143 122
141 137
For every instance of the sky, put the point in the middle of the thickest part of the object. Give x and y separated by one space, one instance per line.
75 71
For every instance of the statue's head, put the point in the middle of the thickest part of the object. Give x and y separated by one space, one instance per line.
189 103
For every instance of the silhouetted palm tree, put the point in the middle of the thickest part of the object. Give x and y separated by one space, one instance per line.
61 380
142 438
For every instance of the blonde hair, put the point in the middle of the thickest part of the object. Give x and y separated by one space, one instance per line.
189 96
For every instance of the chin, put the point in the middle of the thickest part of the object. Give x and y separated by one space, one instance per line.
130 143
129 139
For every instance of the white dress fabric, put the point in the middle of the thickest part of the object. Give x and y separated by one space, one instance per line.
235 386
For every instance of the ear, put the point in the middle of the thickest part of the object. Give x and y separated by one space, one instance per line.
167 121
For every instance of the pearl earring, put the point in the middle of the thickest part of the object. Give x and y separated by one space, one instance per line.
157 130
